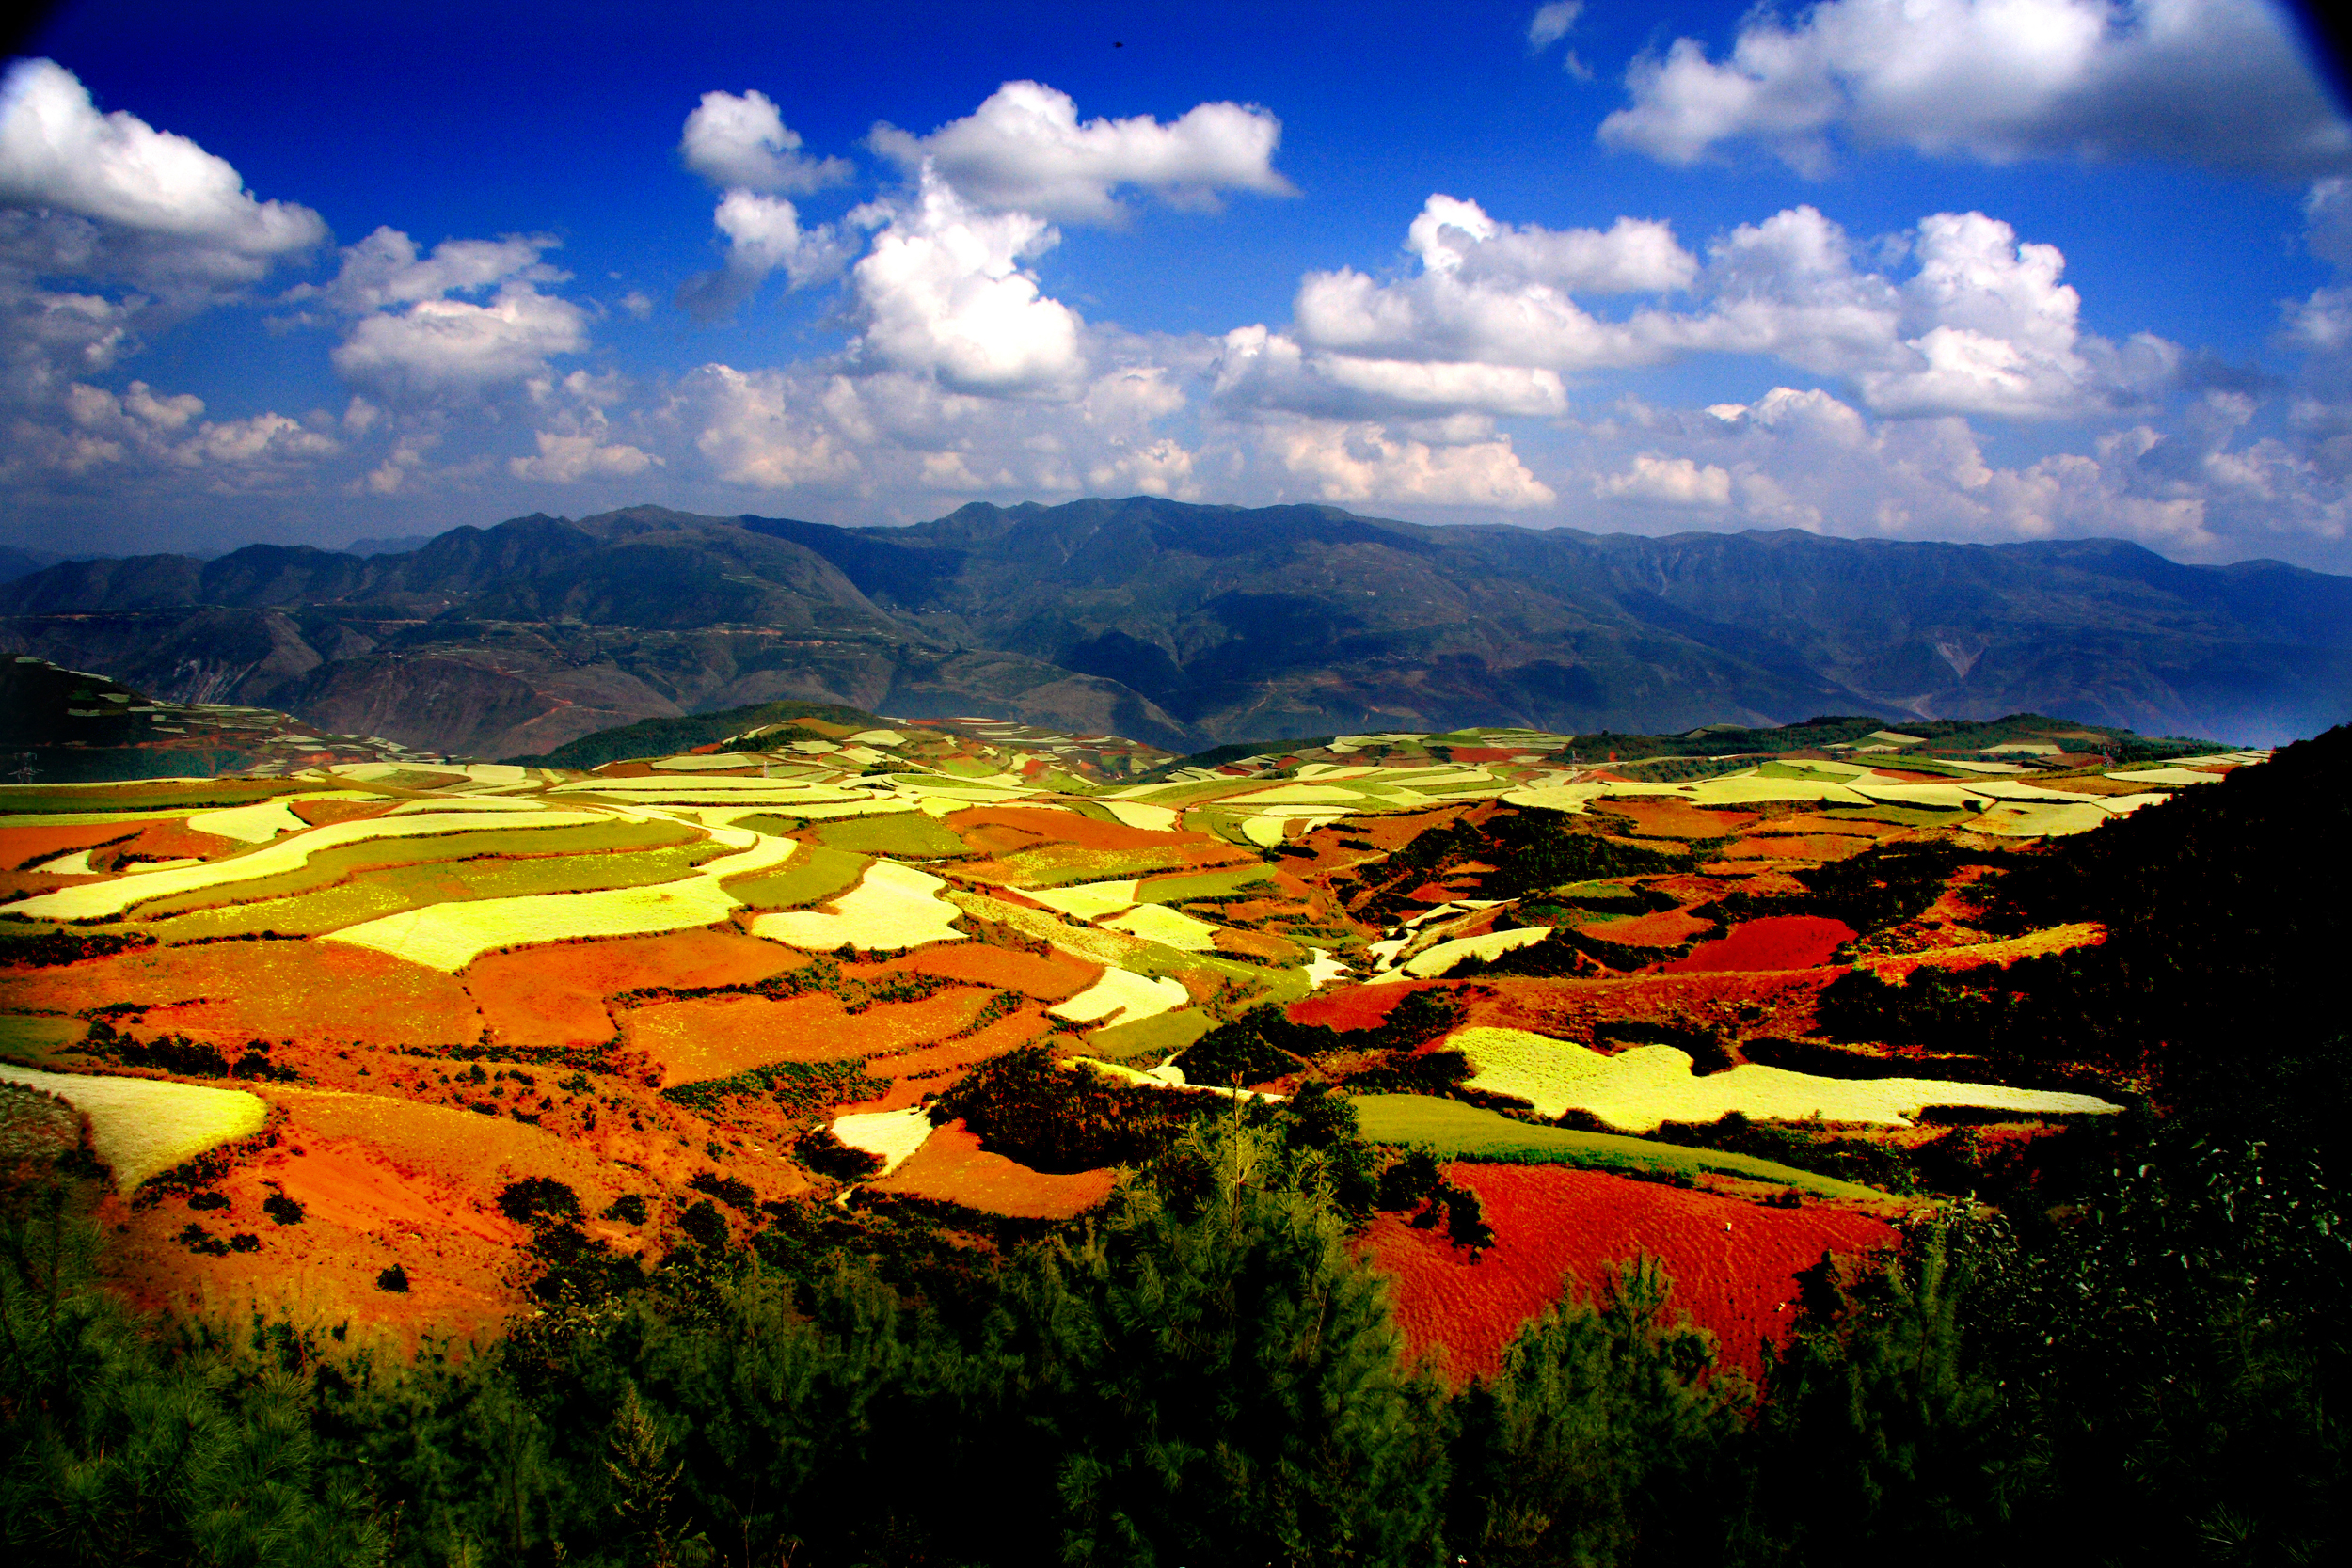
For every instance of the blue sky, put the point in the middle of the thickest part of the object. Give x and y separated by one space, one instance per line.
1981 270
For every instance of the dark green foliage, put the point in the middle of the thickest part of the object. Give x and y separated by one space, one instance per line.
1876 888
202 1242
658 738
1430 1072
1709 1051
395 1280
1238 1053
209 1200
795 1086
1412 1180
1055 1119
1531 851
538 1198
1264 1037
51 948
1603 1438
180 1054
630 1209
731 1191
285 1210
827 1155
245 1241
702 1221
117 1448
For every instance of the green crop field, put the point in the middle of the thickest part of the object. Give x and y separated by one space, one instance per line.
35 1038
562 854
812 875
1205 884
1457 1131
372 894
906 836
1153 1038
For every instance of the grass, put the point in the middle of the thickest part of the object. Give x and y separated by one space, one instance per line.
1204 884
813 876
908 836
35 1038
1152 1040
142 1126
177 796
1461 1132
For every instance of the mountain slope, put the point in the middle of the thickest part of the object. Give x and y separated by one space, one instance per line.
1186 625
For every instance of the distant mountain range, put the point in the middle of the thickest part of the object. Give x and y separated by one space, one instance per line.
1191 625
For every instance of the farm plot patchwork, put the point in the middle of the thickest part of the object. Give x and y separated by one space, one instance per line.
140 1127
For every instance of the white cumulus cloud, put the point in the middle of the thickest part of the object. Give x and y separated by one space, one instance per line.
740 140
57 151
412 336
763 234
2217 82
1025 149
1353 463
1669 481
942 292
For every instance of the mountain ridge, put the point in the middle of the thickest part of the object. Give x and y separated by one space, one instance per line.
1188 625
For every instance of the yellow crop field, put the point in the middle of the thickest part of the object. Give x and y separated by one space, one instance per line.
1636 1089
1088 900
1160 924
451 936
1438 959
141 1126
892 907
890 1135
97 900
1124 992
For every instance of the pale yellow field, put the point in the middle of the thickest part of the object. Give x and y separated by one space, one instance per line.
1124 992
893 1136
1157 923
1636 1089
892 907
1493 944
141 1126
451 936
1088 900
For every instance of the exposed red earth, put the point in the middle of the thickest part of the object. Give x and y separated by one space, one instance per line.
1734 1264
952 1167
1776 942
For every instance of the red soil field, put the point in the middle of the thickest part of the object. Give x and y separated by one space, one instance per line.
1762 1002
170 839
21 846
1666 928
717 1037
306 991
933 1068
1052 979
554 995
1062 827
1490 754
1776 942
1795 846
1814 822
1352 1006
952 1167
1661 817
1734 1264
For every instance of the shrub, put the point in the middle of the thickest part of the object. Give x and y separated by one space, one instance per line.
827 1155
704 1223
395 1280
285 1210
630 1209
728 1190
535 1198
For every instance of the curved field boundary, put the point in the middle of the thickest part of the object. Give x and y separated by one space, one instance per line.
141 1126
1088 900
1122 989
1493 944
100 899
1171 927
890 1136
1638 1088
1461 1132
451 936
893 907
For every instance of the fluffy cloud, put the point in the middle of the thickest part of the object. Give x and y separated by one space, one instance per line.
1258 368
1352 464
104 428
2219 82
1982 324
942 292
58 153
1668 480
763 234
413 338
743 142
1025 149
568 459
